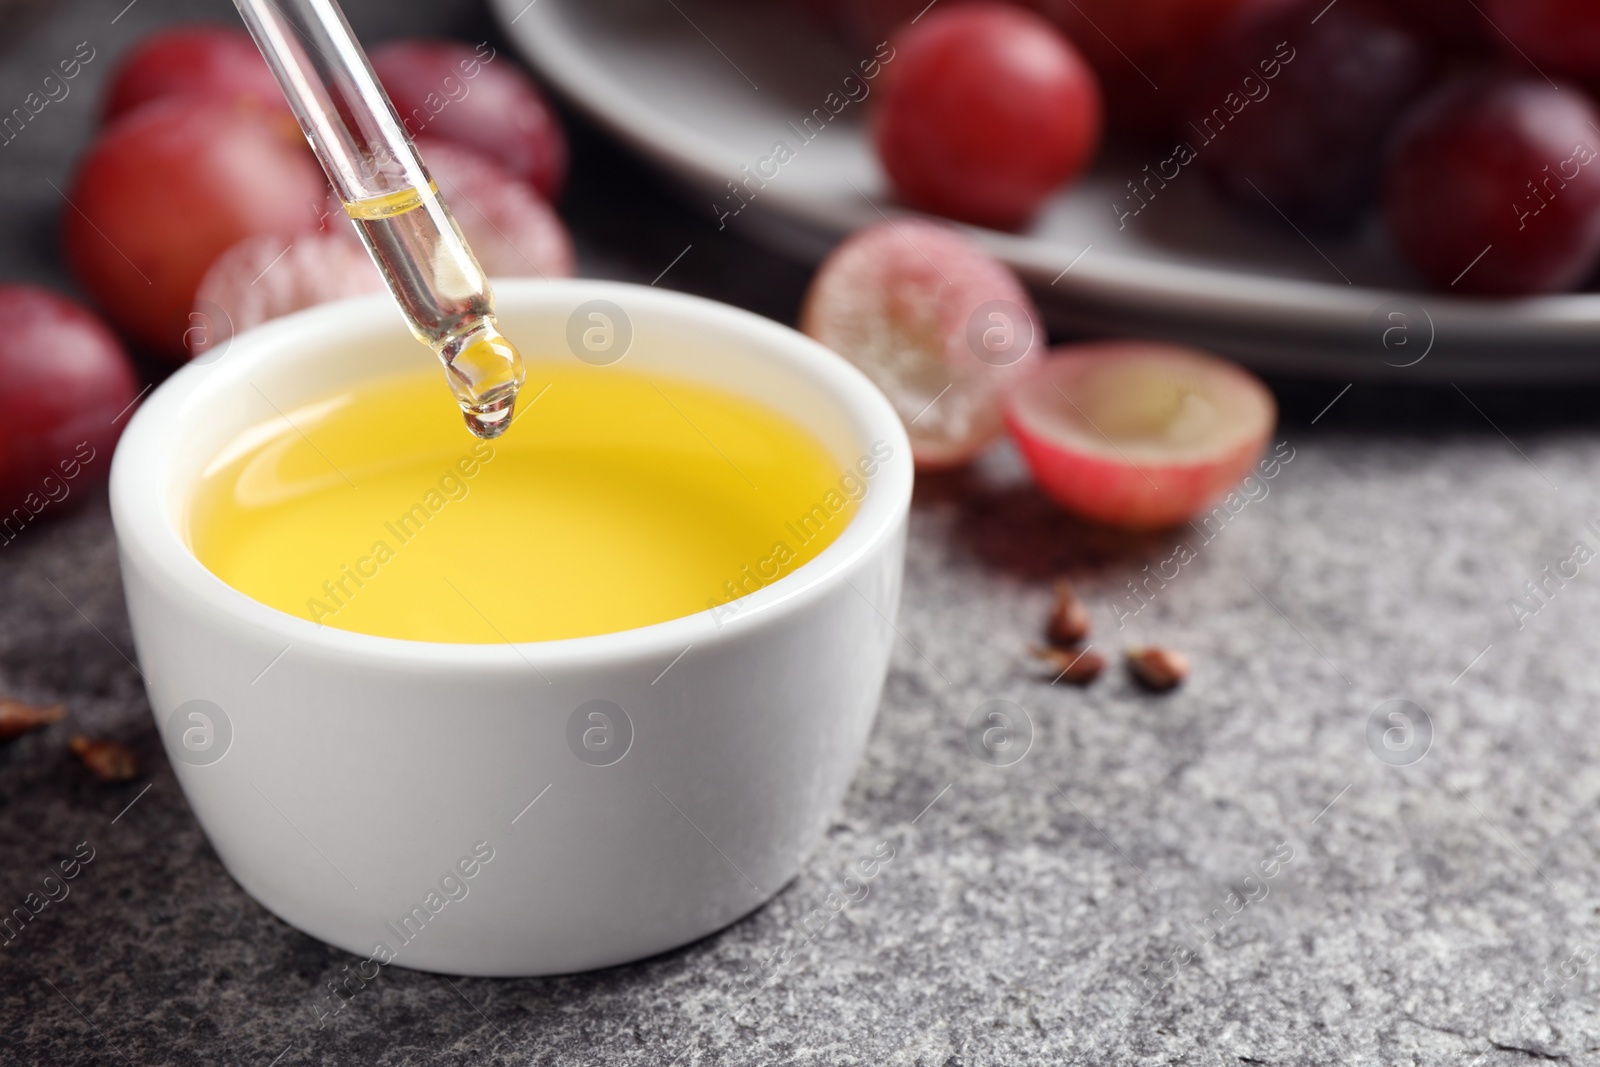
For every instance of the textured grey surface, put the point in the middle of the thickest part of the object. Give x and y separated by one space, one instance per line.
1433 914
1441 913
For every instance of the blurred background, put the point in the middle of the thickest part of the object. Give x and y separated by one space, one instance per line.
1026 915
632 207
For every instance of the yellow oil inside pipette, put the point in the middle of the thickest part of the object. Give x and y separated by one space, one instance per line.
444 293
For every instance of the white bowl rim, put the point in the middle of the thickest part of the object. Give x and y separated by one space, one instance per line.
142 465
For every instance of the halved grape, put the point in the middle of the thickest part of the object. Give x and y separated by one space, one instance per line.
1139 434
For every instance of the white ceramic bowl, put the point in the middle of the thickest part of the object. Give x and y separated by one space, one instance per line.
458 808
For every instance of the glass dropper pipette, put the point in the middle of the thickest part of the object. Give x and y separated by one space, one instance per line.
386 190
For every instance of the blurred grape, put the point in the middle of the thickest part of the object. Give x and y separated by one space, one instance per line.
1450 26
1558 37
167 189
198 58
1307 142
511 229
477 98
985 111
1493 186
63 378
1147 52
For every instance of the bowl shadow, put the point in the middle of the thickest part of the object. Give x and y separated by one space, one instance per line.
1015 529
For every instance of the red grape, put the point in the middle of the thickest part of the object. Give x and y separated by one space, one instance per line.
1146 51
165 190
63 378
258 280
1293 116
866 23
210 60
511 229
1493 185
1448 26
986 110
824 14
1556 36
476 98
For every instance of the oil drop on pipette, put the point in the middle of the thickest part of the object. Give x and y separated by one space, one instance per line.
386 191
446 299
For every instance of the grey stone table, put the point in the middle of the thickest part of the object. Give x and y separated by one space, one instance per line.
1243 871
